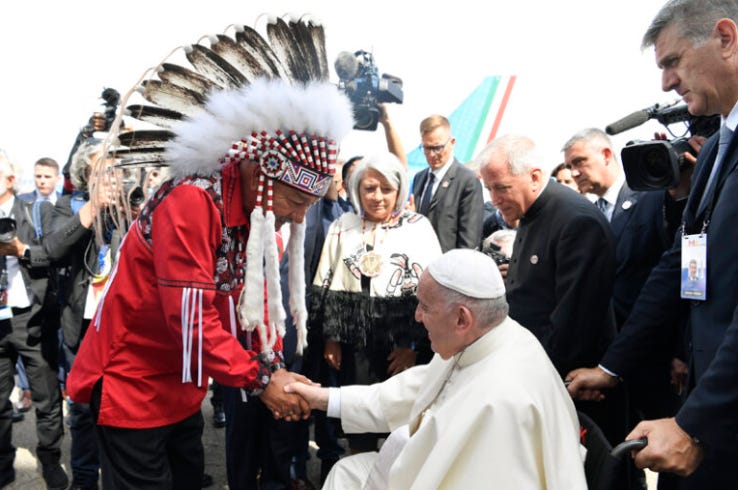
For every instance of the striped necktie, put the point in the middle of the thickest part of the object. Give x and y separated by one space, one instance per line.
726 134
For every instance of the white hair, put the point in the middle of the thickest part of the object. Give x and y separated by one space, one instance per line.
391 169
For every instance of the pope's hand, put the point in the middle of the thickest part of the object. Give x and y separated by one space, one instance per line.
316 396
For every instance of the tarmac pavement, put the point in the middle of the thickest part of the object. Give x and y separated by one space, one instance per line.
28 470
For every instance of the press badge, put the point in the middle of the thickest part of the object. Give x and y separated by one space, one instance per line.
5 311
694 267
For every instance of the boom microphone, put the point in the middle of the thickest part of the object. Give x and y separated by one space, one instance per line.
346 65
664 113
628 122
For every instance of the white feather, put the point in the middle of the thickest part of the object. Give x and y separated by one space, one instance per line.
297 283
265 105
277 315
251 302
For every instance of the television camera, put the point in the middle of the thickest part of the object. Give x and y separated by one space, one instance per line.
654 165
360 80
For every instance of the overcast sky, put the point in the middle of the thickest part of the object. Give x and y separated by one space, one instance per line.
578 62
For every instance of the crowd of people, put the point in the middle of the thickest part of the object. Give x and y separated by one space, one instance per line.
450 340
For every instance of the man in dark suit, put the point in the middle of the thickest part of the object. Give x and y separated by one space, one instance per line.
447 193
636 218
560 277
561 272
696 45
23 306
45 178
637 221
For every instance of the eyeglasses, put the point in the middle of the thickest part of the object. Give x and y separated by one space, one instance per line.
436 148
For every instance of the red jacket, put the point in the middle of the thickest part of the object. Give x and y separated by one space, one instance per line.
167 319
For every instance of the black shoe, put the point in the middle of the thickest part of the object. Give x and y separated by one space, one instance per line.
54 476
18 416
219 418
207 480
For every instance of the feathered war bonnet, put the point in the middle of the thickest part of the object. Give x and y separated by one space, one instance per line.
246 97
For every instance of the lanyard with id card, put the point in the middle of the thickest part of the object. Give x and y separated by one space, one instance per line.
694 267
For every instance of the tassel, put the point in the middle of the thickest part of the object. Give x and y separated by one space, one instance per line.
277 315
297 283
251 302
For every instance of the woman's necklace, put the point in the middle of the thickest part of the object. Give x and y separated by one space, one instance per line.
370 263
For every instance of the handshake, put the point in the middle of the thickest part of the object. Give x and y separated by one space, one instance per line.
291 396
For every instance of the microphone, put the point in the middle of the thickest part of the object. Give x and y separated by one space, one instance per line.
665 113
346 65
628 122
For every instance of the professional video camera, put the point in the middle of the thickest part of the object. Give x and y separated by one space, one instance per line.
360 80
103 121
654 165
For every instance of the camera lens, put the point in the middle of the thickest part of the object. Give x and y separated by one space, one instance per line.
7 229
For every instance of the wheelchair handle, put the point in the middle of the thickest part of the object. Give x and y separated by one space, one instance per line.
627 446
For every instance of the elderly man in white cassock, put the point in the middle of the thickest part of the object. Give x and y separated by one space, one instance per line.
489 411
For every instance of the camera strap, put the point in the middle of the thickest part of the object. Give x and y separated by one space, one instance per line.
36 219
3 289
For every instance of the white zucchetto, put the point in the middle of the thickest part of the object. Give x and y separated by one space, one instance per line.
468 272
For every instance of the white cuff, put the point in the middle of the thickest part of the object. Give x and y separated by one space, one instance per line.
334 403
608 371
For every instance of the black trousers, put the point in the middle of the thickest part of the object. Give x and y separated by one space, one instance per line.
161 458
258 447
42 378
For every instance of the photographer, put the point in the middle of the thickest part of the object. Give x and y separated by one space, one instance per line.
23 313
85 267
98 122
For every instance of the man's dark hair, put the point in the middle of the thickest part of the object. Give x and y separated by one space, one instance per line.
47 162
347 166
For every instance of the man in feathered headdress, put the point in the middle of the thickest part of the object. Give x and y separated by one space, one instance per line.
195 291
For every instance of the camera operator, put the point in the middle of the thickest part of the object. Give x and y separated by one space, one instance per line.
394 143
23 313
696 47
85 266
98 122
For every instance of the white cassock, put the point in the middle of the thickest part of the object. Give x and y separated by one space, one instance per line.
495 416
